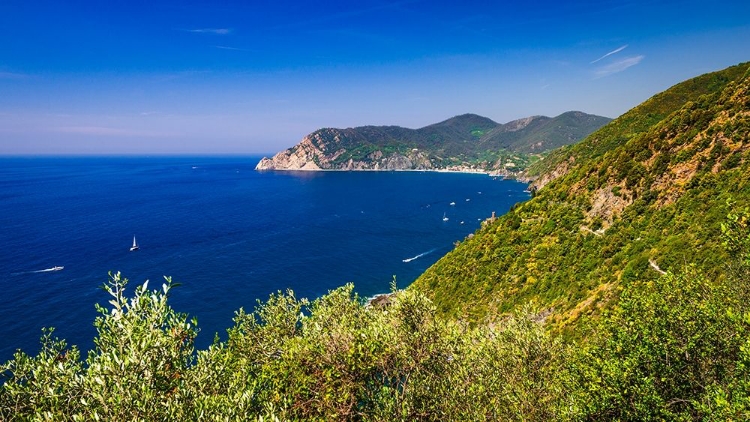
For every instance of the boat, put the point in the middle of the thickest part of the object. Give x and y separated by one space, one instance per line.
444 217
453 203
135 246
56 268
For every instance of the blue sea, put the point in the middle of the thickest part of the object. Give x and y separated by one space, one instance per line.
228 234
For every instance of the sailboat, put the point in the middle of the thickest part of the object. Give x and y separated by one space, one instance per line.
135 245
444 217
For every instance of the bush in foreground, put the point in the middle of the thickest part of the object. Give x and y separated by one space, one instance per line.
334 358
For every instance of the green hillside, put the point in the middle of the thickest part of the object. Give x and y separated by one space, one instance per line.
542 133
468 141
645 193
634 122
469 133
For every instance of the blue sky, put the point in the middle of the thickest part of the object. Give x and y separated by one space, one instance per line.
188 77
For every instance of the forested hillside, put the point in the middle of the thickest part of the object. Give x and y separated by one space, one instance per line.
645 193
634 122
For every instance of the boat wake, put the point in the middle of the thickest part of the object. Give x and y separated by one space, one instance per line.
48 270
418 256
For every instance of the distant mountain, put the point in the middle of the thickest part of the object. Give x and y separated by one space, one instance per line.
644 194
463 142
540 133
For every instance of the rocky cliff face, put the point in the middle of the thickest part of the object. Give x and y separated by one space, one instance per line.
303 156
516 125
317 152
561 169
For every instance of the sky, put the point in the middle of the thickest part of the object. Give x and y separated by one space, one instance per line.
249 77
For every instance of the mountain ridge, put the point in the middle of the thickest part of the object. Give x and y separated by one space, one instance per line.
465 142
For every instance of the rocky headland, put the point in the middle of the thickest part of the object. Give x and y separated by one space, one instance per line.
466 143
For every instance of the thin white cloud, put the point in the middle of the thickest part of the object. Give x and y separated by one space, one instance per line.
108 131
615 51
12 75
216 31
617 66
224 47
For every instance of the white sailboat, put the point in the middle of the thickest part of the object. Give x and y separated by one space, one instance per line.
135 245
444 217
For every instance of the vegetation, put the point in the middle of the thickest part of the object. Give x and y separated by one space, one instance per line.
674 349
654 195
334 358
636 121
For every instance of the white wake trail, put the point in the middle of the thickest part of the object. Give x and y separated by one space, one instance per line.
418 256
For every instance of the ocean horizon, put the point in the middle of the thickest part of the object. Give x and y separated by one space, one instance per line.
228 234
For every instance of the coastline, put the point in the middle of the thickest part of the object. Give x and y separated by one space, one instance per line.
505 176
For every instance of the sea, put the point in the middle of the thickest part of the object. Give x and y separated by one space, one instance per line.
228 234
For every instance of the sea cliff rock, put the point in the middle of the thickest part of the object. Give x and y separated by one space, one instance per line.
303 156
312 153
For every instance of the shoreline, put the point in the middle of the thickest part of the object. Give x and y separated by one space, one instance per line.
505 176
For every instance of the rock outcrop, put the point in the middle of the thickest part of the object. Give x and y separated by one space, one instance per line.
303 156
308 156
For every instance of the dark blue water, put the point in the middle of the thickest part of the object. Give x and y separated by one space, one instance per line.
228 234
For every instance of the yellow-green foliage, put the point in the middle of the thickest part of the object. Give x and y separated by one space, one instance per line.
136 371
332 359
651 187
640 119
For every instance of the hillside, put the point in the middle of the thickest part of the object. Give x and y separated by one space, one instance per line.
634 122
643 194
539 133
466 141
